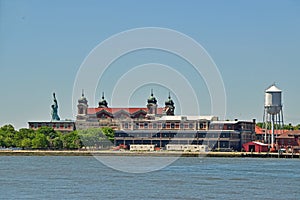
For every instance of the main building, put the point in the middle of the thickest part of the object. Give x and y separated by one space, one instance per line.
159 126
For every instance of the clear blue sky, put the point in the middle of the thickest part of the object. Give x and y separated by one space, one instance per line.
43 43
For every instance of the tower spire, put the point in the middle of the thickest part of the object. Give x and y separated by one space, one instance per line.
82 107
152 105
169 106
103 103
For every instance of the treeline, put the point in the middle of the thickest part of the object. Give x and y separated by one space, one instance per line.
48 138
285 127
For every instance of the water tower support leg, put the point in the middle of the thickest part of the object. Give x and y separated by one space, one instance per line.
272 137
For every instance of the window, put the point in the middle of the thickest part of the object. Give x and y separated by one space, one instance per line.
141 125
154 125
172 125
159 126
191 125
186 125
168 125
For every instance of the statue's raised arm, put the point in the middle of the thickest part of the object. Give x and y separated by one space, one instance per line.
54 98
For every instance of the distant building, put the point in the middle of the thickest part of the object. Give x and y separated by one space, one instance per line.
261 133
290 141
103 116
233 134
255 146
158 126
62 126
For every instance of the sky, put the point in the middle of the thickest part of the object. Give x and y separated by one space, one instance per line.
43 45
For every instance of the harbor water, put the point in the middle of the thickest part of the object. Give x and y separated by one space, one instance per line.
76 177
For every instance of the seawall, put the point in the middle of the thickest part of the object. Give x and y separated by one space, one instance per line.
140 153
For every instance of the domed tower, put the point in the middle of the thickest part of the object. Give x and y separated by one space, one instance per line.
273 115
169 106
103 103
82 107
152 105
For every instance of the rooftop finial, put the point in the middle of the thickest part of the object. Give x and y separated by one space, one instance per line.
82 94
169 95
151 92
103 103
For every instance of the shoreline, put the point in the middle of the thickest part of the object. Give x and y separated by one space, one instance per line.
144 153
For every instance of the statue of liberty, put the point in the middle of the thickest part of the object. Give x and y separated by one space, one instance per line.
54 107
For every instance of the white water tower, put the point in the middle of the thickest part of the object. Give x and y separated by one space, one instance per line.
273 115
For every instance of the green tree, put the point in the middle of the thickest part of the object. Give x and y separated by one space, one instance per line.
288 127
55 140
91 137
8 128
8 142
109 133
39 141
26 143
97 137
27 133
71 140
18 137
47 131
57 143
259 124
2 143
7 133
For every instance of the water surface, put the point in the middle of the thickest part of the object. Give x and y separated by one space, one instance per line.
55 177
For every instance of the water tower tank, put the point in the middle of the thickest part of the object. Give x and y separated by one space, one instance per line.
273 100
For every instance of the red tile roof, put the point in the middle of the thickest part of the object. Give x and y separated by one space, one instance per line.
285 135
260 131
293 132
115 110
290 134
